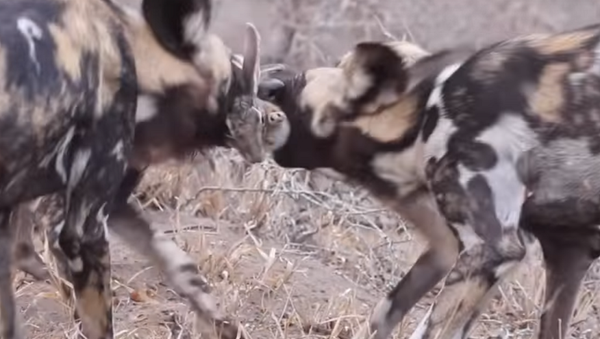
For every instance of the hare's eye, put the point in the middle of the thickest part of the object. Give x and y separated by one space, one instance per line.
259 113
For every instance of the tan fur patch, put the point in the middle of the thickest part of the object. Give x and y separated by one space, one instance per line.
391 123
548 98
156 68
93 307
561 43
67 55
94 36
324 90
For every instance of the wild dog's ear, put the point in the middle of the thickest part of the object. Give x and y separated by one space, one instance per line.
179 25
375 76
251 63
431 65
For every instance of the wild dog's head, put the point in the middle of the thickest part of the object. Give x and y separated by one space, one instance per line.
372 78
376 76
176 53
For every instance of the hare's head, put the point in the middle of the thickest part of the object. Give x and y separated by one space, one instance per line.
244 119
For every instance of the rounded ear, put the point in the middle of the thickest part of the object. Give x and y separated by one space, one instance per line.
178 25
373 68
251 62
269 88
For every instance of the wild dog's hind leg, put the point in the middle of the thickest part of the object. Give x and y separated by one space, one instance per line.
429 269
568 254
8 308
483 207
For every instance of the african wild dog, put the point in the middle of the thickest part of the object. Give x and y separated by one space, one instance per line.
189 95
66 125
46 212
459 144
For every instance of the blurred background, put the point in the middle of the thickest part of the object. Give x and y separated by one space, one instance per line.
306 33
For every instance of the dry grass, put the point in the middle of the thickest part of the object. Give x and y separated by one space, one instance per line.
291 254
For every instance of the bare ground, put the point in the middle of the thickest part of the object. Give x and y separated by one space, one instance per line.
290 254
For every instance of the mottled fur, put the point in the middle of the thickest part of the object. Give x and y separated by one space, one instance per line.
479 149
66 125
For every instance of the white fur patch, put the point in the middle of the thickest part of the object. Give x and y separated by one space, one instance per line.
437 144
435 98
31 31
510 137
76 264
118 151
80 162
400 169
194 28
60 154
102 219
146 108
358 83
57 230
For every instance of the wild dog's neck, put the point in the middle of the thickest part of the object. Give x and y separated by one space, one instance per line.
173 124
382 152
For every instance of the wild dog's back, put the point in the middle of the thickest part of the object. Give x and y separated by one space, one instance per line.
552 79
50 57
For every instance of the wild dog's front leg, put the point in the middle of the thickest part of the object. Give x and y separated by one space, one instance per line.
26 258
96 168
83 240
428 270
484 208
180 270
8 308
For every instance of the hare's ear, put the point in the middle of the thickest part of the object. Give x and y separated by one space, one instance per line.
251 63
237 60
179 25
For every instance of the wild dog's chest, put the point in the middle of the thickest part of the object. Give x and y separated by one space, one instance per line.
387 170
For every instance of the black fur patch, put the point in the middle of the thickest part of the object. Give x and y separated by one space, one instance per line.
386 69
166 19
